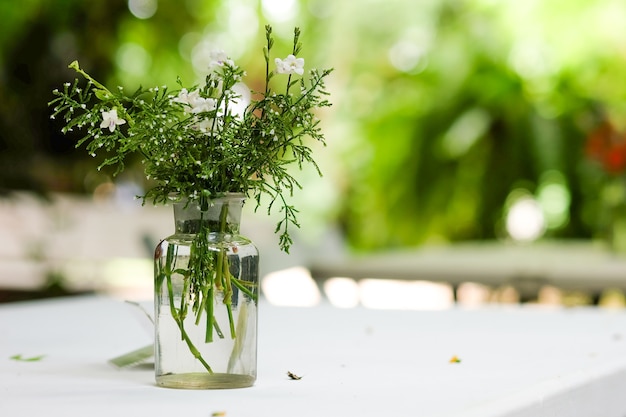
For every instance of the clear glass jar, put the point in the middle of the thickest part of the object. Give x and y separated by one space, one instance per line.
206 293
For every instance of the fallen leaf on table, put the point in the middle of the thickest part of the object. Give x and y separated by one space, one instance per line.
21 358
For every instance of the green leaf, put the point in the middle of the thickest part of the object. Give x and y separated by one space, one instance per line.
103 95
21 358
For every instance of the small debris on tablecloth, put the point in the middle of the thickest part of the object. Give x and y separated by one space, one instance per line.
218 414
455 359
293 376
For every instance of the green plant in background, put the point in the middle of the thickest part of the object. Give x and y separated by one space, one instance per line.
606 150
446 107
473 101
196 147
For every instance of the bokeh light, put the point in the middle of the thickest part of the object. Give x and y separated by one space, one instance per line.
133 59
524 219
143 9
280 10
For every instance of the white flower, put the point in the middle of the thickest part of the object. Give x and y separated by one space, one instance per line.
194 103
200 104
290 65
218 58
182 97
110 120
204 126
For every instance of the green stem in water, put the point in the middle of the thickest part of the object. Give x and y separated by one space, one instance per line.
228 297
218 330
210 319
222 273
192 348
183 298
241 285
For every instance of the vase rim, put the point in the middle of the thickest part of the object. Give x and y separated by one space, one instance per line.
178 199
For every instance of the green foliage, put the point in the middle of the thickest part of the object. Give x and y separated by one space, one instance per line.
459 103
543 73
192 141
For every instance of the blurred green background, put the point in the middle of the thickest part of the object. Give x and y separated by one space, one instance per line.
447 115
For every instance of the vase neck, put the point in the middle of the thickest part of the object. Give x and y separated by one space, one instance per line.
219 215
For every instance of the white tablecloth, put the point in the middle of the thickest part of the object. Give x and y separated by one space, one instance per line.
519 361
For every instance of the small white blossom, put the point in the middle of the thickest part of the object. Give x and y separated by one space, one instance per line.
204 125
110 120
290 65
218 58
194 103
201 105
182 97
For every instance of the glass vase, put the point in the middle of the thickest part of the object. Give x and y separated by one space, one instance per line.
206 293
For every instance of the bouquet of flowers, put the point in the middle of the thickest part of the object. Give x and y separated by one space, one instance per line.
197 147
192 142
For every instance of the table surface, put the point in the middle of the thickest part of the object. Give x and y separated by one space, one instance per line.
514 361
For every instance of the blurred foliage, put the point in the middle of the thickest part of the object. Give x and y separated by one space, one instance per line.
485 97
443 109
